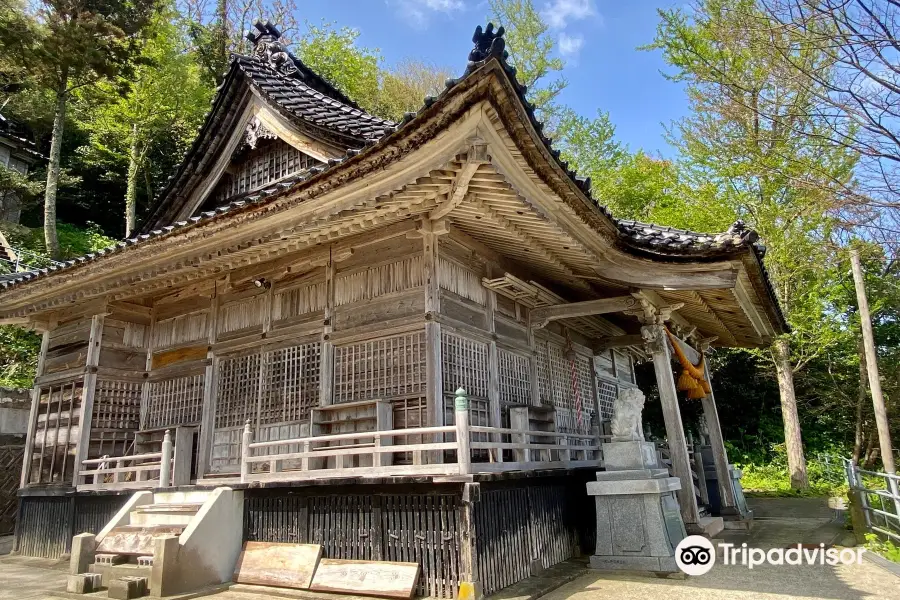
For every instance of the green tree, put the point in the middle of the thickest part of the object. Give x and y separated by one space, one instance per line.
66 45
781 183
530 49
166 100
404 88
332 53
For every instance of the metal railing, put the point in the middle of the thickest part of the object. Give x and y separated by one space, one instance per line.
878 495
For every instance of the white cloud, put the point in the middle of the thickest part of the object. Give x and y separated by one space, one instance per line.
570 45
418 12
558 13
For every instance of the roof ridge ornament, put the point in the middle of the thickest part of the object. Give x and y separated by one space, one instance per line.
488 43
267 48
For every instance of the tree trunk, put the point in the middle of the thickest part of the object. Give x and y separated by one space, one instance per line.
59 121
860 403
881 418
781 352
131 189
222 17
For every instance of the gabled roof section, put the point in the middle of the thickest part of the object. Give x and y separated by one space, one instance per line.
291 89
487 73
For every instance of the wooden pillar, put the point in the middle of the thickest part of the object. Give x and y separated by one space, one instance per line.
87 395
326 373
208 411
434 374
655 342
33 415
717 444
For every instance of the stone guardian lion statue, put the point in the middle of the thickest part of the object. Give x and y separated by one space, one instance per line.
626 422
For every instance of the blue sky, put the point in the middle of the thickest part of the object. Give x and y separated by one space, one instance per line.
600 39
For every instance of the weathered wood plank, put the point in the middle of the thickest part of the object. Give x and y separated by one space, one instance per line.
279 565
388 579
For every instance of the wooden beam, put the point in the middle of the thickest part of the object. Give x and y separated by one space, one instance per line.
476 157
540 317
619 341
762 329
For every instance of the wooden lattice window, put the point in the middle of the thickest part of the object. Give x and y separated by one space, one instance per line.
461 281
56 432
379 280
558 385
268 163
175 401
383 368
117 405
515 378
291 383
464 364
238 380
607 391
179 330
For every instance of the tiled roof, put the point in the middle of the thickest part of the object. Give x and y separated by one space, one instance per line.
303 102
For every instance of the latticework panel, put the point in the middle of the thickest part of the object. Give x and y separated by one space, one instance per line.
515 379
461 281
567 384
242 314
56 432
379 280
117 405
464 364
384 368
291 383
299 301
606 398
175 401
179 330
262 166
238 382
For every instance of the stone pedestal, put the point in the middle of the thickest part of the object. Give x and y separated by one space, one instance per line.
638 518
740 517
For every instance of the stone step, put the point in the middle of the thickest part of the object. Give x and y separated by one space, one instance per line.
135 540
165 514
110 572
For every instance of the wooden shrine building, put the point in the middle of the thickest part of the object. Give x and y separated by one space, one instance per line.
314 285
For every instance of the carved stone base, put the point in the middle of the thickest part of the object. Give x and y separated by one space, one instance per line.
638 519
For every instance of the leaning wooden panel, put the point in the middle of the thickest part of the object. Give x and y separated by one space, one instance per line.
389 579
280 565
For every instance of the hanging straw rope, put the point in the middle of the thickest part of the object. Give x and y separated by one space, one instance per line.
692 379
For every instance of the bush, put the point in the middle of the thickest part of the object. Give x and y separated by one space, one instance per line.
885 548
825 473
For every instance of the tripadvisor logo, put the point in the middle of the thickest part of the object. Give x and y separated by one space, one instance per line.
696 555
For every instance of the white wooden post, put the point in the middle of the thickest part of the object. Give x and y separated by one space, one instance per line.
246 439
165 467
463 451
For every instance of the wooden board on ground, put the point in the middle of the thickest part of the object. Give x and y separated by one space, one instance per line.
370 578
280 565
